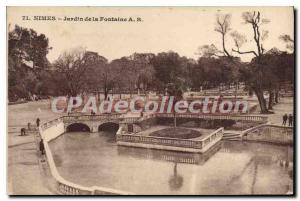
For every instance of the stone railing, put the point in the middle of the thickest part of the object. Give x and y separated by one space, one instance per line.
187 145
63 186
131 119
48 124
128 120
224 93
92 117
255 118
269 133
249 118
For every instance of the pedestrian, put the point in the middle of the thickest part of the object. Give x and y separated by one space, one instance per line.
284 119
290 120
29 126
23 132
42 148
38 122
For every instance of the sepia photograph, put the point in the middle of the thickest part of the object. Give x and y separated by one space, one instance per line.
150 101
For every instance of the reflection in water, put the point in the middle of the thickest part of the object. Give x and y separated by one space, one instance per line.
171 156
229 168
176 180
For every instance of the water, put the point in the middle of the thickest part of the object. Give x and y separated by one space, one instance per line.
230 168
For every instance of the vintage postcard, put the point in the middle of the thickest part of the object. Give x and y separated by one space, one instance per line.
150 101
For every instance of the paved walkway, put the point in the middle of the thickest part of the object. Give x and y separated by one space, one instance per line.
285 106
24 168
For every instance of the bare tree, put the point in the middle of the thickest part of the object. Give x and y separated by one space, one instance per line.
288 40
223 27
209 51
70 65
254 19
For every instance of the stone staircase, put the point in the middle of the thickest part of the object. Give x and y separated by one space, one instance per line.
232 135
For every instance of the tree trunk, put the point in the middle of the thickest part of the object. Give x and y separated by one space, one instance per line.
262 102
271 98
277 96
105 94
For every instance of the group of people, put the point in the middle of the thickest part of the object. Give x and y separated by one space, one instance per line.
23 133
288 118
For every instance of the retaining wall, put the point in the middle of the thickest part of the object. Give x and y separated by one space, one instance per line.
50 132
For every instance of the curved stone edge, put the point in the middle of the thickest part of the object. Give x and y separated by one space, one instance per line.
50 131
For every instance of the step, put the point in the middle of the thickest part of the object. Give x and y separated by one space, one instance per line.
225 137
233 139
231 135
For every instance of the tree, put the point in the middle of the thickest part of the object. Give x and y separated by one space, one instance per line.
254 19
125 74
99 75
170 68
255 81
172 72
143 70
120 77
280 69
223 27
288 40
209 51
27 52
28 46
73 66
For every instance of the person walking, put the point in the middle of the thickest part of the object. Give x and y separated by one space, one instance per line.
23 132
290 120
29 126
42 147
38 122
284 119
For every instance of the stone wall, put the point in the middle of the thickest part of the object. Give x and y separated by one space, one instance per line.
50 131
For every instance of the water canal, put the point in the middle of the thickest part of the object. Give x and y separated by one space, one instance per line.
231 167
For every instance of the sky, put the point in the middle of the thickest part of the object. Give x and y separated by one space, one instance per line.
161 29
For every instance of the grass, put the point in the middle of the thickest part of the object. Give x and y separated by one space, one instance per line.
179 133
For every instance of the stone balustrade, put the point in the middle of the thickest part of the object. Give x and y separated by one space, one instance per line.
92 117
269 133
255 118
224 93
199 144
48 124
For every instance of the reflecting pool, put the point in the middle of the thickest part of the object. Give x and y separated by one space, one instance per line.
231 167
